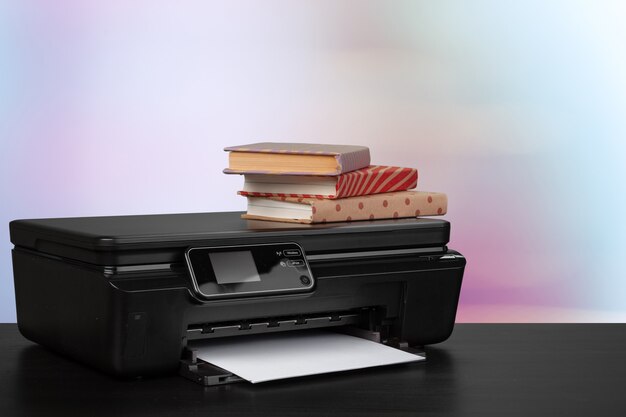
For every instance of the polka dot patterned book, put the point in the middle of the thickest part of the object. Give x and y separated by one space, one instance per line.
370 207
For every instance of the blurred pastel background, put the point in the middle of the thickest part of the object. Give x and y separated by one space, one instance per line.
516 109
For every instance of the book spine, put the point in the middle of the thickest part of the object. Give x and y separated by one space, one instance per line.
351 161
284 195
382 206
377 179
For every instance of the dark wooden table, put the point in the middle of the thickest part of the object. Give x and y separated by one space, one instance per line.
482 370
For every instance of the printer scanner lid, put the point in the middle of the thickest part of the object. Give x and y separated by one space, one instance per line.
143 239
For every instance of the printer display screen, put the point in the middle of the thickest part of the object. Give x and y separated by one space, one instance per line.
234 267
262 269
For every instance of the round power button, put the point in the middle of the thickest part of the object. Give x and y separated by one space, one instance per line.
305 280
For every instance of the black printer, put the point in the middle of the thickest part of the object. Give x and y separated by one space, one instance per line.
131 295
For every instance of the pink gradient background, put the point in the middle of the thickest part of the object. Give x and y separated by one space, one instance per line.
515 110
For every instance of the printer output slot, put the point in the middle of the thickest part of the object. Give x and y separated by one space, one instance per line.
274 324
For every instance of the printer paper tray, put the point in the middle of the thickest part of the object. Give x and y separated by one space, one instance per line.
207 374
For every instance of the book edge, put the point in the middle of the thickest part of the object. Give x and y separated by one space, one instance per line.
275 219
243 148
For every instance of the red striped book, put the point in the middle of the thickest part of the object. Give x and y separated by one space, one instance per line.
373 179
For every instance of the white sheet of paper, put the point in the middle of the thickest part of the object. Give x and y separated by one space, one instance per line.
286 355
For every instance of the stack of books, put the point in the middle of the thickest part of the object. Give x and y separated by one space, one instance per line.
315 183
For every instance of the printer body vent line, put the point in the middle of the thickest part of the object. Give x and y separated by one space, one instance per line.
377 253
181 267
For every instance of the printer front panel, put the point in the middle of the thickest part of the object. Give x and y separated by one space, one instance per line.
133 323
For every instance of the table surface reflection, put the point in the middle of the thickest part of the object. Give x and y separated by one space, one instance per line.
483 370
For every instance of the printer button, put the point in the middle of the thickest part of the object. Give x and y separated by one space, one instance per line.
295 262
305 280
292 252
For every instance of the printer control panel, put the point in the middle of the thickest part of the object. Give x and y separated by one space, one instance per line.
249 270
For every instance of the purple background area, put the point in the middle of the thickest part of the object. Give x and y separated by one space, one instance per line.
516 110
